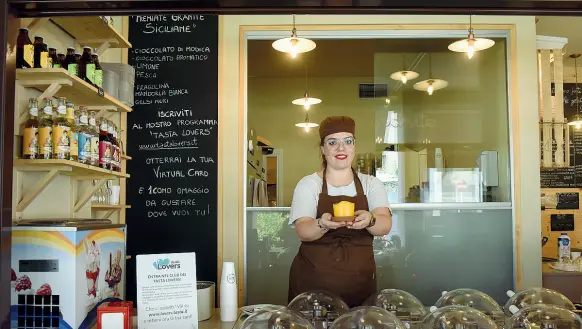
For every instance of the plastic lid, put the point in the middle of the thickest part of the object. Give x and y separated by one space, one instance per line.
276 318
400 303
319 305
544 317
535 296
471 298
457 317
368 317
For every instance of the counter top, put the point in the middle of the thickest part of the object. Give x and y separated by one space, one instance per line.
212 323
547 270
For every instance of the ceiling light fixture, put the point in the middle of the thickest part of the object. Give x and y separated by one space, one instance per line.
404 75
306 101
294 45
577 122
471 44
430 85
306 124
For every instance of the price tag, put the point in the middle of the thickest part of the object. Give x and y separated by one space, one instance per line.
100 92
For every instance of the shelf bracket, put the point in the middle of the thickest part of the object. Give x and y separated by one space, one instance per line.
53 88
36 190
103 47
108 214
88 194
36 24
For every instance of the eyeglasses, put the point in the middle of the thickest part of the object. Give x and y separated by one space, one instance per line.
348 142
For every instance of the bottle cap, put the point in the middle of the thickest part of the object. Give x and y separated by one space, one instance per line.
510 293
51 48
70 48
86 47
513 309
24 29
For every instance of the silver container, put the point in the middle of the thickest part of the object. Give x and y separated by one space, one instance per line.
205 292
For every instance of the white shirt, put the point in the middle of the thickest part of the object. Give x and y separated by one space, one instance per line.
306 194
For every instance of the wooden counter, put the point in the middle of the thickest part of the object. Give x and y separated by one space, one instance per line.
212 323
568 283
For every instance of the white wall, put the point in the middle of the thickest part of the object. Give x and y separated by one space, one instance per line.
524 118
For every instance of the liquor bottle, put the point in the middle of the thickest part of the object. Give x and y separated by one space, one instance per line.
30 136
45 130
104 145
98 71
77 56
116 149
71 62
53 59
61 132
84 135
61 60
24 50
74 124
94 139
38 61
86 66
45 60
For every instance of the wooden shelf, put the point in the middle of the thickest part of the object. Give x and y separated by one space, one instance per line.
92 31
60 83
110 206
66 167
126 157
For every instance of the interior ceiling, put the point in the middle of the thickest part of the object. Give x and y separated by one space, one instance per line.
565 27
343 57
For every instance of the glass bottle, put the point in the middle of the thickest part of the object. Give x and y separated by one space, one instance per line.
104 145
38 51
45 130
30 136
74 124
86 66
53 60
61 60
94 138
116 149
77 57
61 132
85 136
24 50
45 60
98 71
71 62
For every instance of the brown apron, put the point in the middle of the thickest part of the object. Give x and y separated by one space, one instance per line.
341 261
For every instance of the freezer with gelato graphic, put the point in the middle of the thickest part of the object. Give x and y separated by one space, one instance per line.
61 274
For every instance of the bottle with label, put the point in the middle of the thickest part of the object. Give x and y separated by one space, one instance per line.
74 124
53 60
104 145
98 71
86 66
45 60
30 136
77 57
40 55
71 62
61 60
61 132
45 130
24 50
84 136
563 247
94 130
117 149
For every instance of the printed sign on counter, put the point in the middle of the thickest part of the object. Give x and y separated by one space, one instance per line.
166 291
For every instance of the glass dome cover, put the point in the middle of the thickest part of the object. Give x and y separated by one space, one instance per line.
400 303
368 317
535 296
471 298
276 318
319 306
544 317
458 317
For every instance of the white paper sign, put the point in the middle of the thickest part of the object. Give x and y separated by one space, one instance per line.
166 291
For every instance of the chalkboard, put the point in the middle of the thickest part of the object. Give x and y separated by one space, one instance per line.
568 177
172 136
562 222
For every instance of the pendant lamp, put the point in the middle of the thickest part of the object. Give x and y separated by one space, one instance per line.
471 44
404 75
306 101
294 45
430 85
577 122
306 124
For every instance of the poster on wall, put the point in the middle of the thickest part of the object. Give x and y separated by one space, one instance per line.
166 291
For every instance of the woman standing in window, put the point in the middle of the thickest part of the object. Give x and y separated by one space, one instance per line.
337 256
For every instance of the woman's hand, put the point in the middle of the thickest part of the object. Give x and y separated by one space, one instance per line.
326 222
363 219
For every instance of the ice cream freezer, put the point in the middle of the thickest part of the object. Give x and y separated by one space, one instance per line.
62 270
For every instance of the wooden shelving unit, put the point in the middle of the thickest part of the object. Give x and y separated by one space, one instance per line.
66 167
109 206
126 157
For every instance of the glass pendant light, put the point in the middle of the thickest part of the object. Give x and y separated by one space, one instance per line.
294 45
306 101
306 124
577 122
430 85
471 44
404 75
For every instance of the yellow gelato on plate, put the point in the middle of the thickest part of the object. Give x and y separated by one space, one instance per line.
343 211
